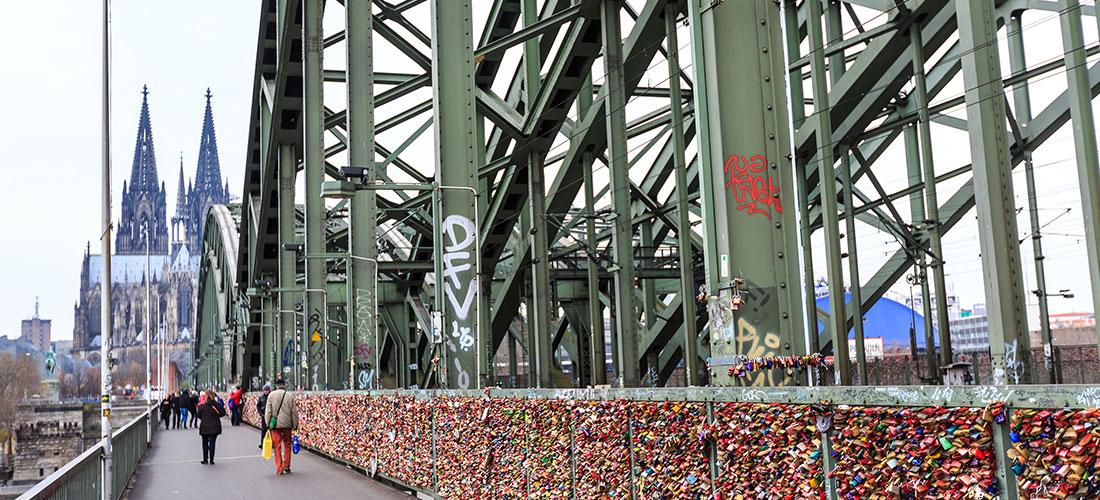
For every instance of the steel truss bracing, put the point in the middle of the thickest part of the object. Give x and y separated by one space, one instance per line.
565 193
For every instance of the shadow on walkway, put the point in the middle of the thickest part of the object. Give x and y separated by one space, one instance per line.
171 469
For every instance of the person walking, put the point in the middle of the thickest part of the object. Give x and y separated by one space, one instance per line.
209 414
282 418
185 409
166 411
261 403
235 406
177 399
193 407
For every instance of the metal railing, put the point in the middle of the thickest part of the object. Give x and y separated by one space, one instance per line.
80 478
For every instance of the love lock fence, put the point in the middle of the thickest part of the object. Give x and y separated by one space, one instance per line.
790 442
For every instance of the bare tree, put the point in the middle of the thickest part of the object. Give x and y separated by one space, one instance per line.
19 378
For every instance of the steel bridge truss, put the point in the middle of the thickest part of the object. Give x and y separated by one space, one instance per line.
461 194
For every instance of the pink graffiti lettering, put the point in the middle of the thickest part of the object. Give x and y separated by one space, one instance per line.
753 189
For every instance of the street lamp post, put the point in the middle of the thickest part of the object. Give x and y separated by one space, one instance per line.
148 331
356 191
1054 372
107 325
161 358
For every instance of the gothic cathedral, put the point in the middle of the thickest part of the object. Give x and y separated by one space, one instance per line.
174 263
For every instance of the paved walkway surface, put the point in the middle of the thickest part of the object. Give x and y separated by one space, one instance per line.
171 469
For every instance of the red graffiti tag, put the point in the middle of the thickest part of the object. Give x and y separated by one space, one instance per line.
753 189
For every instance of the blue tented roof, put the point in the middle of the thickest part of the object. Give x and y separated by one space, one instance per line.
888 319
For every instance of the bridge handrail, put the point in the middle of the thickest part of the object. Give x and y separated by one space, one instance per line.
80 478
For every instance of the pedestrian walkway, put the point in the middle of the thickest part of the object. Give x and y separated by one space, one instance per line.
171 469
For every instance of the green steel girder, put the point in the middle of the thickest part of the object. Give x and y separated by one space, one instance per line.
640 48
638 53
507 304
222 320
874 79
1053 117
867 112
283 104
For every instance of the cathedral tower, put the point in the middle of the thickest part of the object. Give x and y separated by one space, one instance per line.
143 199
208 188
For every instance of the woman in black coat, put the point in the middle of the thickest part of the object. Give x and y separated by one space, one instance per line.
209 414
192 406
165 411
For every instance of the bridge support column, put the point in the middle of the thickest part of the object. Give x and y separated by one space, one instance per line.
457 299
542 353
1009 341
683 232
267 336
932 203
362 278
1021 98
313 153
837 326
597 346
751 244
622 241
1084 137
287 332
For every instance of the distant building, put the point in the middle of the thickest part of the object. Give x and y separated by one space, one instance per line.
1069 330
970 332
174 263
37 330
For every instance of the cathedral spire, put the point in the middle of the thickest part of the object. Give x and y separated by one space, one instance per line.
143 175
207 189
143 198
209 173
181 194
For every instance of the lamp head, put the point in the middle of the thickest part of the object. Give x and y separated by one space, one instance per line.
354 173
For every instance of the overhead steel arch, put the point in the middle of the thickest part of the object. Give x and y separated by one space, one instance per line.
575 210
219 340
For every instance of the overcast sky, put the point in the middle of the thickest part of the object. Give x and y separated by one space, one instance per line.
50 135
50 138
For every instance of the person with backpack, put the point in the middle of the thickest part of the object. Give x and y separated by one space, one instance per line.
282 418
209 415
